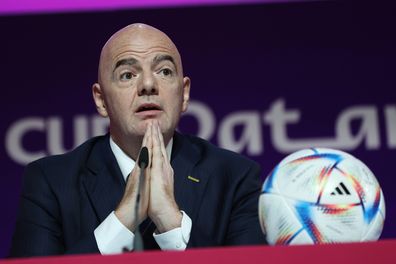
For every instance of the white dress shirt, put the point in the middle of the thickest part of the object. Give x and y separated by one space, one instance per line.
113 237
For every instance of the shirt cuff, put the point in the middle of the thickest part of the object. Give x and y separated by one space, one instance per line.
112 237
175 239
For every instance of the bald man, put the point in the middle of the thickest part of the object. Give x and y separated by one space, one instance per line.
193 194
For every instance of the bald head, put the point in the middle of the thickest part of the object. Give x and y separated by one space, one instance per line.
138 38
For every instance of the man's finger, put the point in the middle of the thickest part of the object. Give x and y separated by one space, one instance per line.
162 145
157 155
147 141
147 134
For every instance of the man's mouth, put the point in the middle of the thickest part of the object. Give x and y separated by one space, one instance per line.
148 109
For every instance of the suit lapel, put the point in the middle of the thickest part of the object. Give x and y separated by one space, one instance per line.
102 179
190 183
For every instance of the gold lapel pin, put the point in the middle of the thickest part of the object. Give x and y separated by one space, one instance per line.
192 178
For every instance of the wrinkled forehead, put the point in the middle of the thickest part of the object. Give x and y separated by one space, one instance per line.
138 39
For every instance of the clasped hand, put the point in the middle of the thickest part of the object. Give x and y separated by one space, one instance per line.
157 199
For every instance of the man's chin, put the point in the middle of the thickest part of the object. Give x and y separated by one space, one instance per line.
140 130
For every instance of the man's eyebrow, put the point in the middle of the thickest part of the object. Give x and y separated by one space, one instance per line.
128 61
157 59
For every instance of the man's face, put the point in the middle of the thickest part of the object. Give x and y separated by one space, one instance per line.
141 78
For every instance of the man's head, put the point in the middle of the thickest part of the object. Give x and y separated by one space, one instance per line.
140 78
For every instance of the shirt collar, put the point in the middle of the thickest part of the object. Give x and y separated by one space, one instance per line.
125 162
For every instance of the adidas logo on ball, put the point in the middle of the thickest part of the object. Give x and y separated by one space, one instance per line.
341 190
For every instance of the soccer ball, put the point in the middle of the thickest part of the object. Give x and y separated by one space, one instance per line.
319 195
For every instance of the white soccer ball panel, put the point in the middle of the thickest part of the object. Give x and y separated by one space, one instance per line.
338 223
329 223
374 229
363 179
302 238
300 179
278 219
338 189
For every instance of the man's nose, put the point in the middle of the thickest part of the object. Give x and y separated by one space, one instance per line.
148 85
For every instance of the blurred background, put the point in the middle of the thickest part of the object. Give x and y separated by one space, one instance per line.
268 78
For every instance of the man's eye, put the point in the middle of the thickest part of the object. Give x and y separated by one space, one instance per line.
166 72
126 76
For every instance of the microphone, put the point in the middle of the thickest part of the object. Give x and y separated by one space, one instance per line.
143 158
143 161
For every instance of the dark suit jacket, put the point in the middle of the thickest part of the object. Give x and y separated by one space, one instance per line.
65 197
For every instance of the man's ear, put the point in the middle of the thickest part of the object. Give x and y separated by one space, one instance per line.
97 94
186 93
